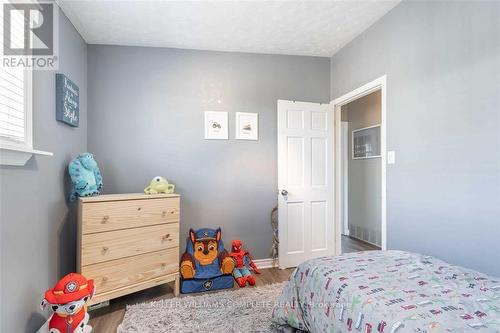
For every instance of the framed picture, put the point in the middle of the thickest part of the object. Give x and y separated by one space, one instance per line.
67 101
366 142
247 126
216 125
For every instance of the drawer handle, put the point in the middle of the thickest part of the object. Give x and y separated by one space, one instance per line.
166 237
163 265
105 219
105 249
164 213
138 208
104 279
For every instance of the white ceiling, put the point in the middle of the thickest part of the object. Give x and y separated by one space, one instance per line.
316 28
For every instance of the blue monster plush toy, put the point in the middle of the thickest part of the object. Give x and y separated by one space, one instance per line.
85 176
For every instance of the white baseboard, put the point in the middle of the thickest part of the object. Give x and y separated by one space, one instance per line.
266 263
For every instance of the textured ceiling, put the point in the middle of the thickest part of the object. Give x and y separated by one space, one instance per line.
316 28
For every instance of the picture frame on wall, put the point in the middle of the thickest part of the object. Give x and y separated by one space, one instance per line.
366 142
67 101
247 126
216 125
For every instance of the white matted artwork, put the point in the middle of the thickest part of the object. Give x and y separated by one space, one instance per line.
366 142
247 126
216 125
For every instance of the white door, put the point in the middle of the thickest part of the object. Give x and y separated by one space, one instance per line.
305 180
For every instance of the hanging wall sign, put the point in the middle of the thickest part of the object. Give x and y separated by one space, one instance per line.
67 101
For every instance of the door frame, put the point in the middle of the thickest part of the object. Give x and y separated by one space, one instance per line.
344 126
377 84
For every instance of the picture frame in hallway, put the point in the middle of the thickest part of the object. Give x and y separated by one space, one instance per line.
216 125
366 142
247 126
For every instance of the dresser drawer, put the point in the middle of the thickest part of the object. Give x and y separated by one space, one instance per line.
121 214
100 247
112 275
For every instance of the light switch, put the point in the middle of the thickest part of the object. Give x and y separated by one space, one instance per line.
391 157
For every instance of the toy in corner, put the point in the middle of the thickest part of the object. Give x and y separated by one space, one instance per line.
159 185
85 176
205 265
68 300
241 273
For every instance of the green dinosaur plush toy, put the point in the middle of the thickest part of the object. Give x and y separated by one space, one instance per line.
159 185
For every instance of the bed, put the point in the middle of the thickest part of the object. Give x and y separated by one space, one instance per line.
388 291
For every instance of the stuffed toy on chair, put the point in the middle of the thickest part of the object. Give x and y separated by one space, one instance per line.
68 300
241 273
85 176
205 265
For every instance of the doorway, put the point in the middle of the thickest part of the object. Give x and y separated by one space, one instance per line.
360 176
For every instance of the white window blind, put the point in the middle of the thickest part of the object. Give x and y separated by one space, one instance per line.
13 88
12 106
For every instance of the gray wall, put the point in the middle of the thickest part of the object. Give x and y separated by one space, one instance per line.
146 119
364 174
442 61
37 238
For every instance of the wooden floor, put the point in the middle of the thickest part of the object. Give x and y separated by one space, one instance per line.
107 319
350 244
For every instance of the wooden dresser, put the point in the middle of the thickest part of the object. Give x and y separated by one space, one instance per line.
128 242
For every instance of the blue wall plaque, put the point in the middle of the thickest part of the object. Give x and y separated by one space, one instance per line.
67 101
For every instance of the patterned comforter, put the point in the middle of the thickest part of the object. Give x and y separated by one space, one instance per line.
388 291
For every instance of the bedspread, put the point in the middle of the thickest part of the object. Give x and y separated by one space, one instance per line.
388 291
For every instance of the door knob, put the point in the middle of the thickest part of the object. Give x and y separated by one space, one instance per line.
284 193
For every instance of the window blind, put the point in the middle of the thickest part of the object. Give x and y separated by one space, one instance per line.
12 87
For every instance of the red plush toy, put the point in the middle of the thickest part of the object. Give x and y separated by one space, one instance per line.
242 258
68 300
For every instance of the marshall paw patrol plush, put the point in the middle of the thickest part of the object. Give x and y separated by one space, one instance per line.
68 300
205 265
